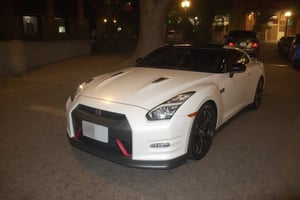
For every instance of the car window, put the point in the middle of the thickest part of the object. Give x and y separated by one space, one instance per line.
181 58
234 57
249 34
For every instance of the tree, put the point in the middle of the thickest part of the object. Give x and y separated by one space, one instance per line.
153 14
206 11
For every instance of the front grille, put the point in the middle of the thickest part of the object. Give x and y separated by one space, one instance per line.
102 113
117 124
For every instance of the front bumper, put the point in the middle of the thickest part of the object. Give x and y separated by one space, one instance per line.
130 137
111 155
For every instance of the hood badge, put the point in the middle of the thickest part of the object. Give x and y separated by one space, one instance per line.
98 112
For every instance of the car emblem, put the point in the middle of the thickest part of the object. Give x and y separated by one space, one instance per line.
98 112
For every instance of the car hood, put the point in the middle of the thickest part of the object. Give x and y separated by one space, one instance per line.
144 87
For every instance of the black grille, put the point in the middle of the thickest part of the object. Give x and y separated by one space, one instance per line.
102 113
117 124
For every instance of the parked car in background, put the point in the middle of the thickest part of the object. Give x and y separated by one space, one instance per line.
246 40
294 53
166 108
284 44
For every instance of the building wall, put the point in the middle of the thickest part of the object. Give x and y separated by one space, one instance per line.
18 21
277 30
297 24
30 37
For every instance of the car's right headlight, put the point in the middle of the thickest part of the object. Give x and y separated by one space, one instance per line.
167 109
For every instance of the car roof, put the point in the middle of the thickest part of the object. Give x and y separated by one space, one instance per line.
204 46
210 46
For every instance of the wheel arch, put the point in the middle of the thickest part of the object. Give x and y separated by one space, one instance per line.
214 98
262 78
213 104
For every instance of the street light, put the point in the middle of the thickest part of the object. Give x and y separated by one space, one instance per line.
287 14
185 4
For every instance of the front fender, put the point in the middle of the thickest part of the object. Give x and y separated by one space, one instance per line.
202 95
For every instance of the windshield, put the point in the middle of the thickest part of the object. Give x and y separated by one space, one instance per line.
248 34
183 58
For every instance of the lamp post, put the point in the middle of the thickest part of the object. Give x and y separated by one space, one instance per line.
185 4
287 14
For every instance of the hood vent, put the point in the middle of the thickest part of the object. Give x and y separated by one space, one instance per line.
116 74
160 79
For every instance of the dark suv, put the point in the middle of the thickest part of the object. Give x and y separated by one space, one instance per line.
246 40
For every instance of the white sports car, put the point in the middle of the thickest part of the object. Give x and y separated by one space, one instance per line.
166 108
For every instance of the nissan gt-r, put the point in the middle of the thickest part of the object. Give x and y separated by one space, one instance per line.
166 108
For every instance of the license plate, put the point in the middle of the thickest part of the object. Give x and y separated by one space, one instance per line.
243 44
95 131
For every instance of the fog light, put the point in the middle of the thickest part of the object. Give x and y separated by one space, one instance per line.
160 145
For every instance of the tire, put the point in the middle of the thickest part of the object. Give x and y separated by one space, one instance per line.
258 94
202 132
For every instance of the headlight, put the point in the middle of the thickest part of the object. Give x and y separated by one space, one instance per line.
167 109
79 88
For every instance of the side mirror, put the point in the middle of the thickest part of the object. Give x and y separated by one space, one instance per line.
237 68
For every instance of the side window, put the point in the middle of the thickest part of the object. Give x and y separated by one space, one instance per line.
234 57
230 59
242 58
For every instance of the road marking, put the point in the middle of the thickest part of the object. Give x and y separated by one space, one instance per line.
277 65
47 109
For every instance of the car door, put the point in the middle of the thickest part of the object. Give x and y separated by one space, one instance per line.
233 85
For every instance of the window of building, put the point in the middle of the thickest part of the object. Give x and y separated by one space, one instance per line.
61 25
30 25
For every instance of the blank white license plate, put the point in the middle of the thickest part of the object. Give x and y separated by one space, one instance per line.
95 131
243 44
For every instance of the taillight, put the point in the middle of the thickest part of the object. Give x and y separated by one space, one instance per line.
231 44
255 45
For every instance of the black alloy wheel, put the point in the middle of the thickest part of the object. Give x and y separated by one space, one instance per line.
202 133
258 94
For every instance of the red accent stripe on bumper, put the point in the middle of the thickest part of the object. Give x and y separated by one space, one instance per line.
78 133
122 148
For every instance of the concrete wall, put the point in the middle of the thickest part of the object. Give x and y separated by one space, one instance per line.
17 56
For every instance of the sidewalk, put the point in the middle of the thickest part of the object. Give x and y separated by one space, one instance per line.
79 68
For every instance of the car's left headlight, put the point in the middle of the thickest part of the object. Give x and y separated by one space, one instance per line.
79 89
167 109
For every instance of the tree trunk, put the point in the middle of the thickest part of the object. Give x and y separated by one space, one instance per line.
153 15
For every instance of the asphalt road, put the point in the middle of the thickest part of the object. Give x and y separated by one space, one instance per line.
255 156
